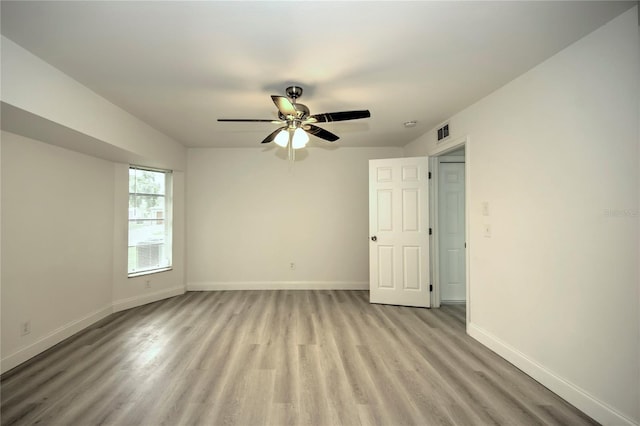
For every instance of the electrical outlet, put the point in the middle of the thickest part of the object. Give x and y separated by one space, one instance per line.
147 284
25 328
292 266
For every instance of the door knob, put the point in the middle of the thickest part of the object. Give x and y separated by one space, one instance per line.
374 238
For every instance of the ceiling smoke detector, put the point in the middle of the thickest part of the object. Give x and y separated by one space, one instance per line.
409 124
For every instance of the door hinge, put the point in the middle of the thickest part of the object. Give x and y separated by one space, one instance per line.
429 175
430 287
430 231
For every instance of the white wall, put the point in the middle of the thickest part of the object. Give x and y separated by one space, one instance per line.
45 106
64 245
555 153
57 224
37 97
248 217
417 147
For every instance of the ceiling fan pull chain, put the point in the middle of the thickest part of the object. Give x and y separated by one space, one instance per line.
293 157
291 154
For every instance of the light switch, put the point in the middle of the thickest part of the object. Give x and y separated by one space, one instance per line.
487 230
485 208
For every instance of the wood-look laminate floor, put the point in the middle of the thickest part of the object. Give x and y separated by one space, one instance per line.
277 358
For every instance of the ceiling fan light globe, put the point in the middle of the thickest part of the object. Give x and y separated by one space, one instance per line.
282 139
300 139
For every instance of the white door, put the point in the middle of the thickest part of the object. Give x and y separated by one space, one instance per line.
399 231
451 231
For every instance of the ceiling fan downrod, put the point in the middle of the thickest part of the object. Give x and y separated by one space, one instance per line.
293 92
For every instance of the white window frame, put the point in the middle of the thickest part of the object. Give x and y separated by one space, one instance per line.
168 224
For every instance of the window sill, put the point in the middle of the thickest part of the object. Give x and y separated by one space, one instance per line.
150 272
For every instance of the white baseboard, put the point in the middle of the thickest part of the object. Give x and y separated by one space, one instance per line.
278 285
132 302
73 327
53 338
587 403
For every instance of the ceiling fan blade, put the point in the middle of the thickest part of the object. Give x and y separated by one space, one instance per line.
252 120
273 135
284 105
321 133
341 116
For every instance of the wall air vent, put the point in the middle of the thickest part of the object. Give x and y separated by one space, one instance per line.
443 132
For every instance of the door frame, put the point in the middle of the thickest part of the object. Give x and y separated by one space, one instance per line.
433 218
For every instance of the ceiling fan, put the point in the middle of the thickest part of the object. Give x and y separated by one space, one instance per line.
297 123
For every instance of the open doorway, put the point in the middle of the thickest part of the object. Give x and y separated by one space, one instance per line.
451 232
448 208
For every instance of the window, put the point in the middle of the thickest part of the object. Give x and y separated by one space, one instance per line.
149 220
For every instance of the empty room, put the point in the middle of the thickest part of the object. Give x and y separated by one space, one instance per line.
320 213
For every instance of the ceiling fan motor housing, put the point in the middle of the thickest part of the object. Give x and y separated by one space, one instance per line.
302 112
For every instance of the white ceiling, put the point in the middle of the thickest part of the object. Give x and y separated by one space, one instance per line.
181 65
